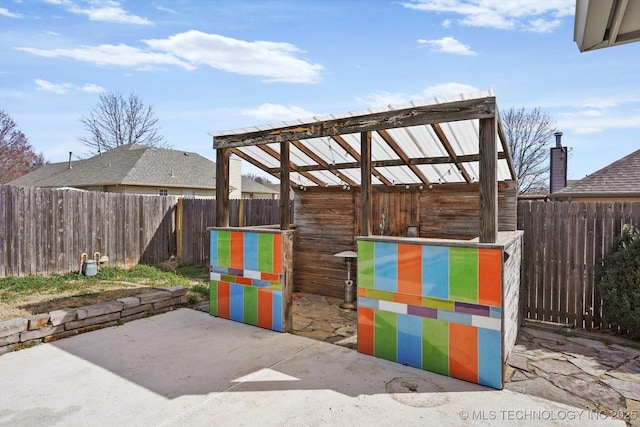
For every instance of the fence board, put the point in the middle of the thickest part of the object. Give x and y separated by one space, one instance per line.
563 247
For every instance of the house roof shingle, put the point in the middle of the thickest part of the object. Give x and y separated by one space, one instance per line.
128 165
620 178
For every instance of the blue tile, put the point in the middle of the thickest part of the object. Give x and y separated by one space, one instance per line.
277 311
236 303
495 312
367 302
435 272
261 283
410 340
213 248
251 251
385 274
221 270
489 358
454 317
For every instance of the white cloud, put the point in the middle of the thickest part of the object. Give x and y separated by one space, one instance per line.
275 61
530 15
166 9
106 54
101 10
444 90
9 14
277 112
446 23
47 86
448 45
92 88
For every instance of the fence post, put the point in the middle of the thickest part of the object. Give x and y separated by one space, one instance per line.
241 213
179 229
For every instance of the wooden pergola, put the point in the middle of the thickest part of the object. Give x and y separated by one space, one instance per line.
408 146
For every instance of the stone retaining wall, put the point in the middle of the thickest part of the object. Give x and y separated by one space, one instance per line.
18 333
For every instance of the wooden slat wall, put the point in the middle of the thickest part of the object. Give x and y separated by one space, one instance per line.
564 243
44 231
198 214
327 220
452 210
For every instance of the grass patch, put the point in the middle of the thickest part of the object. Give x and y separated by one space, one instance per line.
21 296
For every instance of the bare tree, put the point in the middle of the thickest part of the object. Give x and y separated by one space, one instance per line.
528 135
17 157
116 121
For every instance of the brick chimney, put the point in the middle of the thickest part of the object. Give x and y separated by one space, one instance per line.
558 172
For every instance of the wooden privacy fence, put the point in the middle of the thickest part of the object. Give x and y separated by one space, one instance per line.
44 231
195 215
563 247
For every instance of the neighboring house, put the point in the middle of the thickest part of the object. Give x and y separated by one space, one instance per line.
618 182
254 190
137 169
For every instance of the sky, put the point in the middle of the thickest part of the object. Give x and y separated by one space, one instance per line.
207 66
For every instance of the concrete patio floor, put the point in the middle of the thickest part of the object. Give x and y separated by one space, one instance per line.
187 368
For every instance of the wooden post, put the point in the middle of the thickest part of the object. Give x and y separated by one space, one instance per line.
241 213
179 208
222 187
285 203
365 194
488 181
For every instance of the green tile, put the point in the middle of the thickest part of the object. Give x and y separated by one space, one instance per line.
384 333
438 304
224 248
435 346
265 252
365 264
463 274
251 305
213 297
276 285
376 294
228 278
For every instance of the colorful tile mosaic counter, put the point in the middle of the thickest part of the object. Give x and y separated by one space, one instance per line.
249 276
444 306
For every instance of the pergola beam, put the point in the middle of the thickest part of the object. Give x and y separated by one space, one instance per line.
274 172
293 167
353 153
365 188
222 188
468 109
450 151
321 163
390 163
403 156
505 149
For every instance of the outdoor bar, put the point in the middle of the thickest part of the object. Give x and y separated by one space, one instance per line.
425 193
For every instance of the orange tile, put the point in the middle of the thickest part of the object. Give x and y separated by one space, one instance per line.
223 299
410 269
271 277
490 280
463 352
365 330
277 253
237 249
244 281
362 292
408 299
265 308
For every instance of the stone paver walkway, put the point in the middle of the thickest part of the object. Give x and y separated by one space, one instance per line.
589 371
